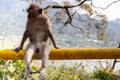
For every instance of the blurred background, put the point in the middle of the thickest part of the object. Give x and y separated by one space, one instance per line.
91 26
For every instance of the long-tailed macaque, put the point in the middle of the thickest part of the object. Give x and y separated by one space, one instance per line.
38 30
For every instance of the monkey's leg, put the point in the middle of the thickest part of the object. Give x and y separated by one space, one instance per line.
44 53
28 58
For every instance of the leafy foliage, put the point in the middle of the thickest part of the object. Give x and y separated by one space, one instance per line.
101 74
11 69
88 8
66 3
14 70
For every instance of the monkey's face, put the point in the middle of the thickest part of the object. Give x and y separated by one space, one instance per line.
34 13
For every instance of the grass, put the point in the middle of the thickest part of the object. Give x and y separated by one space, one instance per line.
14 70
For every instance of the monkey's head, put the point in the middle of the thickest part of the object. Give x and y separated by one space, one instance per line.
34 11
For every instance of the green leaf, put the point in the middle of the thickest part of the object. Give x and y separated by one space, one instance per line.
34 68
1 71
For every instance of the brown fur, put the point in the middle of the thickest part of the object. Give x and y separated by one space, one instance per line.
33 6
38 30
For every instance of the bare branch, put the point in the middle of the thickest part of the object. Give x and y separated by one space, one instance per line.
71 6
77 27
69 21
66 8
106 6
70 18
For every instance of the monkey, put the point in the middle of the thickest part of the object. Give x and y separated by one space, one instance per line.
38 31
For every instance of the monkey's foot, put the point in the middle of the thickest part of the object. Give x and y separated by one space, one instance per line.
42 73
25 78
31 72
26 74
42 77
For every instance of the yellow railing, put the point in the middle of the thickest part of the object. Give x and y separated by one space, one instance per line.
67 54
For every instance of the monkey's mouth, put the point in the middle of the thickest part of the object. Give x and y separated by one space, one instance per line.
31 16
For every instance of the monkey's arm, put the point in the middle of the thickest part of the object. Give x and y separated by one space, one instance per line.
50 34
25 36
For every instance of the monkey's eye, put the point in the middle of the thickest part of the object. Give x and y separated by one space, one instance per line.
29 9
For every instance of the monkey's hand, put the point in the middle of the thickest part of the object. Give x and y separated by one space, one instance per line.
17 49
57 47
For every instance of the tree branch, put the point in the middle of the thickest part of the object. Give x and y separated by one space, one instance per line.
78 27
71 6
106 6
69 21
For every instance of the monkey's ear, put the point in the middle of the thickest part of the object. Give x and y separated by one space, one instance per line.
40 11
